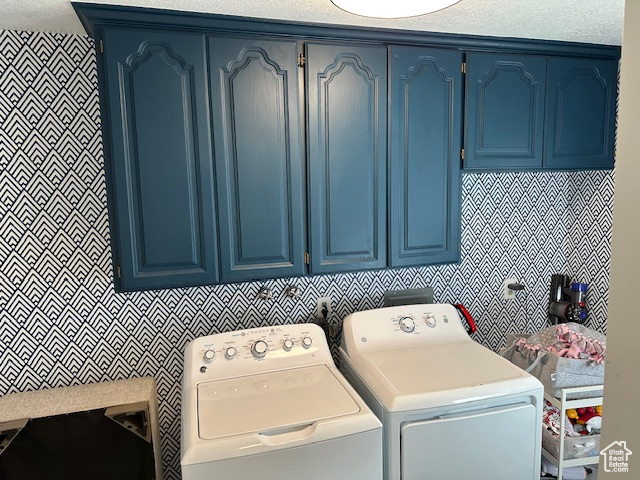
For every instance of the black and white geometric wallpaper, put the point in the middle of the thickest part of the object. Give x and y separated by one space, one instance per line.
61 323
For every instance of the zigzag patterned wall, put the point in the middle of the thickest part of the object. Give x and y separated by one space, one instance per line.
61 323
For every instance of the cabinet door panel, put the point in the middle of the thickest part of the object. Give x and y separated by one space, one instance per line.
347 156
256 118
580 113
426 115
161 158
505 111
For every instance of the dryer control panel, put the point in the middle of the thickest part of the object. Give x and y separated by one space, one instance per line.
402 327
256 350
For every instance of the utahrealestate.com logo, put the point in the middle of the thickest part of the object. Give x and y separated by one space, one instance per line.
616 457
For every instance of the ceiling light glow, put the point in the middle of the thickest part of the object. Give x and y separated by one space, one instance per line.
392 8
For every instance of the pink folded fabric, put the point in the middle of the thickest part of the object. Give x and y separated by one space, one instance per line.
566 342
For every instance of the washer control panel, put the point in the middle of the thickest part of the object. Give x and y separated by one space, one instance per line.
258 349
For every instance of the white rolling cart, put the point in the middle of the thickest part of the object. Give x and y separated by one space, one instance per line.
566 401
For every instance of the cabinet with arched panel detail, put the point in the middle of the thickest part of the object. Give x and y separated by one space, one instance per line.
258 116
238 149
505 111
347 147
158 150
581 106
257 126
533 112
424 186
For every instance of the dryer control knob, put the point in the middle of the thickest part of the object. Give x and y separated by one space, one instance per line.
259 349
307 342
287 345
430 320
209 355
231 352
407 324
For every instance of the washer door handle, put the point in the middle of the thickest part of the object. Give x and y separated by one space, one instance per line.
471 325
279 436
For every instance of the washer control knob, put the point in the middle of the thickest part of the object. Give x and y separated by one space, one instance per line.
430 320
407 324
231 352
287 344
307 342
259 349
209 355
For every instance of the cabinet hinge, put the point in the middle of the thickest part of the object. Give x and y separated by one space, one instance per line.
464 67
306 258
462 154
118 271
101 46
301 59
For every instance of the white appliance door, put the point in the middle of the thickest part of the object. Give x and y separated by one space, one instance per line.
496 443
271 403
447 374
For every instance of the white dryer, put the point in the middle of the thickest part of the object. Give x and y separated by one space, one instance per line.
269 403
451 409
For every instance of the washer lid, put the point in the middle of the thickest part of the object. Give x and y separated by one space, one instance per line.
445 374
271 401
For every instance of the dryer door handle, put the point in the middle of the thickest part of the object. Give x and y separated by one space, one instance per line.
471 325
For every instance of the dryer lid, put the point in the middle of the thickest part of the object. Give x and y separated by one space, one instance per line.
444 374
271 401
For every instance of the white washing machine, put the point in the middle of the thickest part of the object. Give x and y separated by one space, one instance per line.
451 409
269 403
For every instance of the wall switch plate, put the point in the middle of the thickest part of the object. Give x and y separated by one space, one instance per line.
507 293
322 302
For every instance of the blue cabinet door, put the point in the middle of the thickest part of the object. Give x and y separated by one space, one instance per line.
426 121
505 111
159 152
581 111
347 148
258 157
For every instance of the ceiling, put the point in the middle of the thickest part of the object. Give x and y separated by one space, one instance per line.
590 21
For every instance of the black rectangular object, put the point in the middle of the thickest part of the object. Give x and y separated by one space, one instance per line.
410 296
77 446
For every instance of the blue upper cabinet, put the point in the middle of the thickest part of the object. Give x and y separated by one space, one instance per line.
347 148
230 156
426 121
505 111
258 155
158 148
581 111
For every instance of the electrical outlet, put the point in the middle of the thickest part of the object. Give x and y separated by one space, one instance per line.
507 293
322 303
